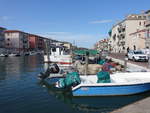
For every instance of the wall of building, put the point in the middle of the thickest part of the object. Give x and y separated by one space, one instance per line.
40 43
133 26
2 38
120 40
16 40
12 40
32 42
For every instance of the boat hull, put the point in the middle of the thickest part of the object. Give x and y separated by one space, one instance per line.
110 90
65 60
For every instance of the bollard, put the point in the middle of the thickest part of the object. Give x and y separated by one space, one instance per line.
125 64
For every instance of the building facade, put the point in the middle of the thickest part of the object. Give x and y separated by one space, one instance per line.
147 42
2 38
138 40
16 40
121 36
33 42
102 45
40 43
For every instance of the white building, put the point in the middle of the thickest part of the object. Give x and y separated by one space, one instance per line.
121 36
102 45
147 43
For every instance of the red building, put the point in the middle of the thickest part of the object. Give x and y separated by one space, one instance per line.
36 42
33 41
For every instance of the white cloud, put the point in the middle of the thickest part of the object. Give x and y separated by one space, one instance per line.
81 40
100 21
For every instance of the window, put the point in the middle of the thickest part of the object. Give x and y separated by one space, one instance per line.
140 23
8 34
144 17
148 17
114 37
139 17
54 49
139 35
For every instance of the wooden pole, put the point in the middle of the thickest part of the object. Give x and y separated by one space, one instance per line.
86 62
125 64
47 52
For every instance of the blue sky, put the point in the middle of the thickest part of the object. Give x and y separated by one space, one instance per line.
81 21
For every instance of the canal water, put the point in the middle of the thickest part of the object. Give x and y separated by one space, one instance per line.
22 92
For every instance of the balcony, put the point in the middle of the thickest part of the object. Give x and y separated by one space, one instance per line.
147 23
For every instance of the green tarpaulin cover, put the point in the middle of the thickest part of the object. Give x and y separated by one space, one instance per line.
71 79
101 62
103 77
83 52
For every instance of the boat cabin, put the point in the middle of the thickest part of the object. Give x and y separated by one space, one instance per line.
59 50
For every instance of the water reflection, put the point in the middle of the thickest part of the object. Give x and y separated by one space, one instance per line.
17 65
92 104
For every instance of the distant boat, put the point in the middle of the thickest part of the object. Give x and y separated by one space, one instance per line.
58 55
32 53
18 54
3 55
121 84
26 53
12 54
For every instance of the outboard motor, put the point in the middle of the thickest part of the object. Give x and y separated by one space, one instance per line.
52 69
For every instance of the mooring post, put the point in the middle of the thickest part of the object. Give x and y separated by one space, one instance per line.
86 62
47 53
125 64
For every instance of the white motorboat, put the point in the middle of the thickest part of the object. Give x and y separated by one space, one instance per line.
58 54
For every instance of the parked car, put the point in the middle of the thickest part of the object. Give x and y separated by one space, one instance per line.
137 55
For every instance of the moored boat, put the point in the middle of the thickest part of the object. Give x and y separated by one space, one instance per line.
3 55
59 55
121 84
12 54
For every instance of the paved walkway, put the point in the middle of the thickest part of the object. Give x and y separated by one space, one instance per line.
141 106
121 56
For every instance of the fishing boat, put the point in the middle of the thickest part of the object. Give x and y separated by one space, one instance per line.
120 84
92 104
59 55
